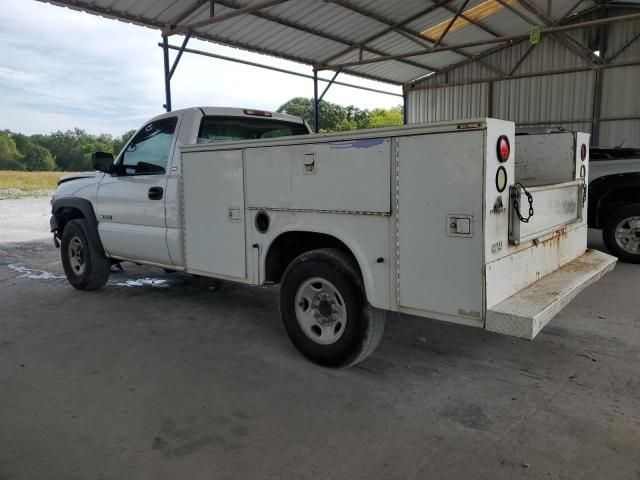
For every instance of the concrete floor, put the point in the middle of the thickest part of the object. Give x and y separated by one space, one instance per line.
180 379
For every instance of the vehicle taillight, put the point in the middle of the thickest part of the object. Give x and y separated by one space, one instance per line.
257 113
503 148
583 152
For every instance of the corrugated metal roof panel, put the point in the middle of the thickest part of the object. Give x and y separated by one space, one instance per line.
311 32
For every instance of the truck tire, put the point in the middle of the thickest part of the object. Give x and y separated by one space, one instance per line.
325 312
85 265
621 233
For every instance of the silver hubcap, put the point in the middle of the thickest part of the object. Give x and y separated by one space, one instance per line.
321 311
76 256
628 235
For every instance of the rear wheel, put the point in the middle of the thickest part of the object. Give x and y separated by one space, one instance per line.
621 233
324 311
85 265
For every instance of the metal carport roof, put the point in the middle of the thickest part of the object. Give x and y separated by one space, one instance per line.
394 41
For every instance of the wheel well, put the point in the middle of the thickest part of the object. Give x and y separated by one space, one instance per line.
615 199
289 245
65 214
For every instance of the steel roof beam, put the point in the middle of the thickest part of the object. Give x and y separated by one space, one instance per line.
522 59
451 22
564 38
561 71
505 39
185 13
528 20
571 10
624 47
475 23
414 36
384 31
277 69
491 51
146 22
254 7
286 23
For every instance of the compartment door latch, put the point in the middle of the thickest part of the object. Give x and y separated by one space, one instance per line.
234 215
309 163
460 226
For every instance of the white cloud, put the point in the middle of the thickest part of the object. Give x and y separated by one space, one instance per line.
61 69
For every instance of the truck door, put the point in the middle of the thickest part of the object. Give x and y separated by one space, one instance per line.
131 203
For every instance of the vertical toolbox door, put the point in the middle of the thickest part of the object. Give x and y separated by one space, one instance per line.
213 191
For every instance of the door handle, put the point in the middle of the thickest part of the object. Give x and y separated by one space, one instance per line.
155 193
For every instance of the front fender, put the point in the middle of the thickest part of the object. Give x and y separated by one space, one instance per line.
70 208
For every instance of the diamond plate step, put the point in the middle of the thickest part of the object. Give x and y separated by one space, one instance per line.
528 311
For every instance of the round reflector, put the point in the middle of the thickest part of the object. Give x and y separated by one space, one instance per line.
501 179
503 149
583 152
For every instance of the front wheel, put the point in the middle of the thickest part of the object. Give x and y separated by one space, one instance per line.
621 233
324 311
85 265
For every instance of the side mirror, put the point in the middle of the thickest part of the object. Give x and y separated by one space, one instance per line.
102 162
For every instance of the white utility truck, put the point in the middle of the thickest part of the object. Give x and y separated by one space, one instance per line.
458 221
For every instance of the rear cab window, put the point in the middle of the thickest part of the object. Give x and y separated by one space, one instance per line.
225 129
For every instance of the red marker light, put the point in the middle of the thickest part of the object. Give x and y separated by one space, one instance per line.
257 113
583 152
503 148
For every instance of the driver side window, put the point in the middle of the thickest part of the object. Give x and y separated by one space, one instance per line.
148 152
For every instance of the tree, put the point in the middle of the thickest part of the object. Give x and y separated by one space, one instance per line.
380 117
118 143
36 157
333 117
336 118
10 157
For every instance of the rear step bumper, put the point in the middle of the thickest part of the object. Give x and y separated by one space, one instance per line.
528 311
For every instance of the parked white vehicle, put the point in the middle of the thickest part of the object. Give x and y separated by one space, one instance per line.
614 190
429 220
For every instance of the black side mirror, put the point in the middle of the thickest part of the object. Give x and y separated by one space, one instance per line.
102 162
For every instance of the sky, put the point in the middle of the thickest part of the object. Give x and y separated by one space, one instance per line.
61 69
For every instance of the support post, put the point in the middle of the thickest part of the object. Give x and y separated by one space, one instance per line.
490 100
167 77
316 113
597 93
333 79
405 113
179 56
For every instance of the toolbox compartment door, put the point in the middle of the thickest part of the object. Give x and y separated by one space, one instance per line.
213 202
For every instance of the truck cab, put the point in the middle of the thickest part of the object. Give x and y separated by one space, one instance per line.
136 198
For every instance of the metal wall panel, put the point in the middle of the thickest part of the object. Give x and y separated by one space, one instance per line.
566 100
448 103
625 133
545 99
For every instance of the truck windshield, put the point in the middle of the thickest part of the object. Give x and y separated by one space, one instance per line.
224 129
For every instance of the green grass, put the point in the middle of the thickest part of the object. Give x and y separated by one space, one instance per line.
28 184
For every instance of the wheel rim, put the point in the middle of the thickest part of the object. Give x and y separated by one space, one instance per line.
321 311
628 235
76 254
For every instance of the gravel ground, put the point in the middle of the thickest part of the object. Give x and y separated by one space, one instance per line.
24 219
